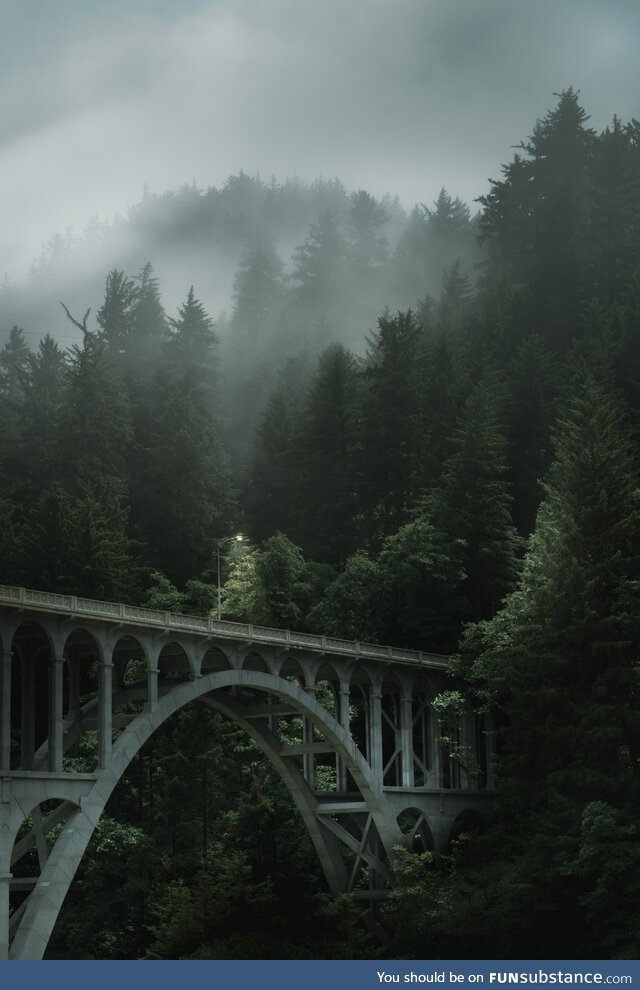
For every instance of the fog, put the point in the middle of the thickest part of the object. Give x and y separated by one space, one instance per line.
98 100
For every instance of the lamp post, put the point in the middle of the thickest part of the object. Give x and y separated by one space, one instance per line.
229 539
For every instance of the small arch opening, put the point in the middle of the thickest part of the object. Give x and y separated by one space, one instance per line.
414 826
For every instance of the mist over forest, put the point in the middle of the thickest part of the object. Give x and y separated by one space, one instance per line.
424 424
282 268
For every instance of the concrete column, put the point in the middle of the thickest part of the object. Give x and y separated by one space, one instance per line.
436 749
343 718
56 671
406 738
5 880
152 688
27 719
5 710
308 759
375 730
105 703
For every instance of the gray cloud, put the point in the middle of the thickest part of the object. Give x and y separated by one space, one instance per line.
98 99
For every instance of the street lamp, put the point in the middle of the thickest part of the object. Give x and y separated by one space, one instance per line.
229 539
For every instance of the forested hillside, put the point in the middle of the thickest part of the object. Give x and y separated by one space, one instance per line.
426 428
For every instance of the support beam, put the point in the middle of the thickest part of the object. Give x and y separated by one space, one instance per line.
341 807
5 710
375 728
344 719
406 738
302 749
308 761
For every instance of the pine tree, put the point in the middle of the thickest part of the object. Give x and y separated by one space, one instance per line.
273 482
536 220
149 324
96 431
472 501
258 296
421 602
533 387
327 449
615 207
368 247
391 418
410 265
318 281
44 404
191 354
183 501
115 316
14 372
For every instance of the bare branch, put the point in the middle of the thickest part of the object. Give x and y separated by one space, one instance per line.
81 326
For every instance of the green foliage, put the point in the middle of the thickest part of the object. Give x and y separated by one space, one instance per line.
273 585
608 865
421 574
110 896
472 501
224 901
350 607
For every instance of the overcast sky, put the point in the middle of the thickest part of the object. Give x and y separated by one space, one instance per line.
99 97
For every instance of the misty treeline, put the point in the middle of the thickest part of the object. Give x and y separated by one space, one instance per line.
464 480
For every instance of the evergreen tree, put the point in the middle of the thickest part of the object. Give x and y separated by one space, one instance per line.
191 354
410 266
149 324
536 220
45 400
115 316
533 387
250 365
368 247
318 277
351 606
187 502
560 660
273 483
96 430
391 413
327 450
420 572
184 501
258 296
615 207
472 501
14 371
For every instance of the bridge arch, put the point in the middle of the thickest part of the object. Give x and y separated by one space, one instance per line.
372 850
377 725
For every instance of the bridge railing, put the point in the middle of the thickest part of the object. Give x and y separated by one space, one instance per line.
72 605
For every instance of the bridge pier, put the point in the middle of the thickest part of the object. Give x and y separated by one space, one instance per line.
56 670
5 709
105 706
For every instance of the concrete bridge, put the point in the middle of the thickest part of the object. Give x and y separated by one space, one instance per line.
348 726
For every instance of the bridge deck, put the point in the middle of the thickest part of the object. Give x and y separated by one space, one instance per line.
72 607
